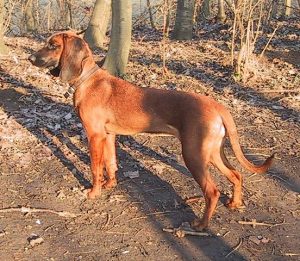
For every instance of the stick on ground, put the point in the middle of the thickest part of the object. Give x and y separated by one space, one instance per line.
235 249
38 210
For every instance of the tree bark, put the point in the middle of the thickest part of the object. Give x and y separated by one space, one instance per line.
29 17
288 9
274 10
69 17
221 11
119 46
65 10
3 48
205 10
184 20
151 15
96 31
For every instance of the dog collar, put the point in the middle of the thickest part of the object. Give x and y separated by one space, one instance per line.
72 88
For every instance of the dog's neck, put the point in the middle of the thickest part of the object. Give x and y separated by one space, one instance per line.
85 75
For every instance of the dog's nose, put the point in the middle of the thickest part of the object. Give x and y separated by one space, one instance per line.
32 58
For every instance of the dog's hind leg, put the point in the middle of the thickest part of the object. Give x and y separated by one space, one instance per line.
196 156
220 161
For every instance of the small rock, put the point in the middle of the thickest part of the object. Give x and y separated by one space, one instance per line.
132 174
153 76
35 240
57 127
3 233
74 189
258 121
292 72
60 195
68 116
265 240
254 239
276 107
159 168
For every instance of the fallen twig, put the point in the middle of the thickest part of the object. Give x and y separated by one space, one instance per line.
254 223
193 199
226 234
107 221
272 35
291 254
283 91
116 232
38 210
235 249
154 214
182 232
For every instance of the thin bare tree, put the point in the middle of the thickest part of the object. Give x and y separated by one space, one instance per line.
3 48
183 28
288 9
96 30
221 11
205 10
119 46
151 14
30 21
65 10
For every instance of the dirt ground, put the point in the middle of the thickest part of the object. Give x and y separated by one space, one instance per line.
44 162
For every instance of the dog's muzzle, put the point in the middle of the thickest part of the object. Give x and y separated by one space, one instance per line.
32 58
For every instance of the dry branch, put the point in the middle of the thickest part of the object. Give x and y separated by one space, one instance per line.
254 223
38 210
235 249
263 51
182 232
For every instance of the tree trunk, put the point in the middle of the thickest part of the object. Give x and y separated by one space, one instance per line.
65 10
3 48
274 9
184 20
150 14
96 31
288 9
221 11
69 17
118 52
205 10
29 17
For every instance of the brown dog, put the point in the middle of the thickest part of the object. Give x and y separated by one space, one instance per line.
108 106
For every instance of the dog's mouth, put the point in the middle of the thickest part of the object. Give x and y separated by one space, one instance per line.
54 70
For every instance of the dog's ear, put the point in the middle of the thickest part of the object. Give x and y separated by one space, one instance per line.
71 61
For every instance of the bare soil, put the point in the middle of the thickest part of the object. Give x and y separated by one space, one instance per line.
44 161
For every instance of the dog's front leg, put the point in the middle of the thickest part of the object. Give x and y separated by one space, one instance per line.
96 145
110 161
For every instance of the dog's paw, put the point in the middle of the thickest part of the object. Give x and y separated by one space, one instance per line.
109 184
234 204
93 193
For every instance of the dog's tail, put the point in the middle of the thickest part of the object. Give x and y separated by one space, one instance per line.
234 140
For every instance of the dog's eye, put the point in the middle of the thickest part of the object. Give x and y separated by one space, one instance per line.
52 46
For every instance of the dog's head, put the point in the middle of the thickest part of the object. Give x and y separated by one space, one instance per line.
64 54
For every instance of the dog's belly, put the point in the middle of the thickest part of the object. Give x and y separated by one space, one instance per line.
162 129
131 130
